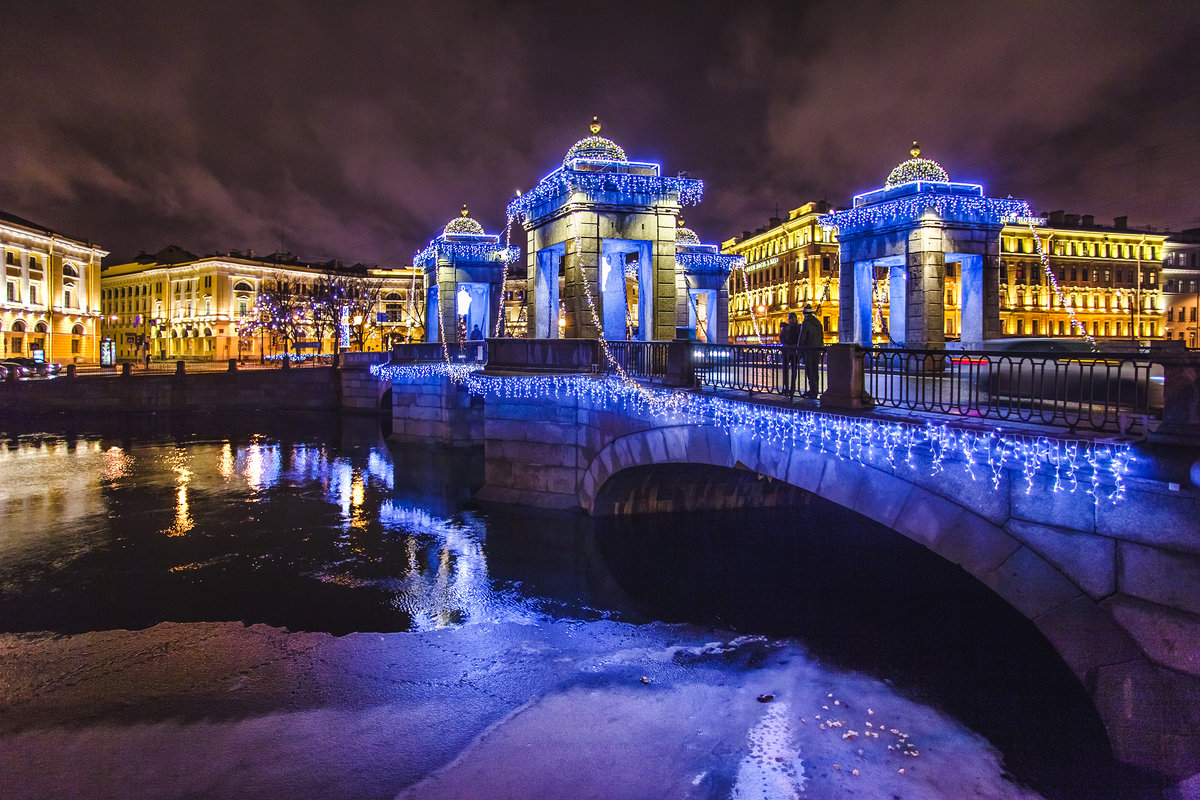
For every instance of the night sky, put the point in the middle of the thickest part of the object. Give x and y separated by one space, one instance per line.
356 130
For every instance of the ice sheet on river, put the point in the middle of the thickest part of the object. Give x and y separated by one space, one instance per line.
557 709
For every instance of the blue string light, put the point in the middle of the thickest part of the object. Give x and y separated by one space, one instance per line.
1096 467
714 263
911 208
459 252
565 179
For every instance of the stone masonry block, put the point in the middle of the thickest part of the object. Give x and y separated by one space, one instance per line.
925 517
1031 584
719 451
745 448
676 442
1160 576
773 460
977 544
1073 510
882 496
1165 519
805 468
1088 560
1168 637
841 481
1086 636
1149 712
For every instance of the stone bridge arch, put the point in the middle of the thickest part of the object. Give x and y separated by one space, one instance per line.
1148 711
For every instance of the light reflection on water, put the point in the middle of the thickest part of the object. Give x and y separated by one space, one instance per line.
246 519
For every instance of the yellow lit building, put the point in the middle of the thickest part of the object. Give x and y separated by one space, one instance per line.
186 307
1109 278
50 309
1181 287
790 263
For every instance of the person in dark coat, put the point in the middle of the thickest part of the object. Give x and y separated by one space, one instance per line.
789 337
811 340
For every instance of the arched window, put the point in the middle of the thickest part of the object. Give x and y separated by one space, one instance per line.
243 286
18 326
40 328
69 271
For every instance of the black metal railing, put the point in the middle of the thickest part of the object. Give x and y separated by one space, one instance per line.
758 368
1102 391
645 360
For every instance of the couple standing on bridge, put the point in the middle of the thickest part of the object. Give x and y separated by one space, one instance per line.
801 342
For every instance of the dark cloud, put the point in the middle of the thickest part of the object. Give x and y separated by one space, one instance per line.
356 129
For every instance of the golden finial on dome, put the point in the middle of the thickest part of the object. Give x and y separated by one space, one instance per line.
595 125
465 213
681 222
915 151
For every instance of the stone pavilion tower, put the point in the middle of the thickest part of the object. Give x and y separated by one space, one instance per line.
601 245
908 233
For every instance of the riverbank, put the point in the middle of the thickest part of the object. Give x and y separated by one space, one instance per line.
606 710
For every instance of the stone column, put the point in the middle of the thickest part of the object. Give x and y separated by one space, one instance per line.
925 309
846 302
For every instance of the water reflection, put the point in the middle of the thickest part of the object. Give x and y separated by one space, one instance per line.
293 533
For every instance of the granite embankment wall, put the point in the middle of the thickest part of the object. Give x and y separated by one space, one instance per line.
306 389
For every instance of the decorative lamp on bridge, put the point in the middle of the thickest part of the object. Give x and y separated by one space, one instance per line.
463 268
601 236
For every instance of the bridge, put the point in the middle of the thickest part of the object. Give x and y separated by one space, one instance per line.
1105 563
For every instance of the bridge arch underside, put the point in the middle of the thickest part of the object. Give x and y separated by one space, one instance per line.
1151 713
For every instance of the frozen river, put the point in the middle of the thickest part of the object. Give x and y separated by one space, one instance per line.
292 608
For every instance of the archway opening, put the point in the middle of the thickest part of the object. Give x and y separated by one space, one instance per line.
863 597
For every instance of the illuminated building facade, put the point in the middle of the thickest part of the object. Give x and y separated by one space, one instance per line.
187 307
1106 282
1181 287
790 263
1109 279
50 309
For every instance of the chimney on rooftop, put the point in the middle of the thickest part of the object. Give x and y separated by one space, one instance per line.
775 222
1120 223
1089 220
1071 219
1055 217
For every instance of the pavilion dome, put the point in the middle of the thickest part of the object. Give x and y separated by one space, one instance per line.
917 169
463 225
595 146
686 235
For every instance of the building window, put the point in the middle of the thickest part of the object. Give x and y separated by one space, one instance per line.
14 294
33 293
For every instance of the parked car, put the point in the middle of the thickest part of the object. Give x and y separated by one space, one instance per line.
3 372
20 369
37 367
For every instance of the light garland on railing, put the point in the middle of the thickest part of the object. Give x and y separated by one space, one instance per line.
911 208
1097 468
1076 324
690 190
